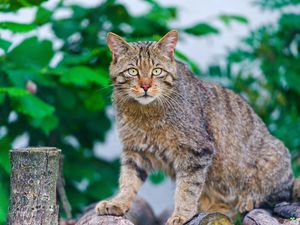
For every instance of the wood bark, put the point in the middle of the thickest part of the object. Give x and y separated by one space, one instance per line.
260 216
34 177
139 214
142 214
288 210
210 218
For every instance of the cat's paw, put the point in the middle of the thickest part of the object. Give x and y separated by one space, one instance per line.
176 220
246 205
111 208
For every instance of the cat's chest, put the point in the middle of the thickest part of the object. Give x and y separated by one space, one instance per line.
148 136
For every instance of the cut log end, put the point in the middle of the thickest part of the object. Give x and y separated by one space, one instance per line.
33 186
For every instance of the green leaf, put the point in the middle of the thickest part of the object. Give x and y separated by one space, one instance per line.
46 124
4 44
292 80
95 102
4 197
64 28
32 106
17 27
71 60
82 76
14 92
201 29
227 19
5 144
12 5
157 178
42 16
40 53
2 98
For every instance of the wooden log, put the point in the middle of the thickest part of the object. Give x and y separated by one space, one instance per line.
140 214
199 219
34 177
209 218
287 210
260 216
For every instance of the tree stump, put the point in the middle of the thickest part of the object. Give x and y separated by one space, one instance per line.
33 186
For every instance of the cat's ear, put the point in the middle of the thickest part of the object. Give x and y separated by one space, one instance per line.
117 45
167 43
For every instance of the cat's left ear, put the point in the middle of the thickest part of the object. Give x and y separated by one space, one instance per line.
167 43
117 45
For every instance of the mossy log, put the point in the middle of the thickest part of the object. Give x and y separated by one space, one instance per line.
34 177
210 219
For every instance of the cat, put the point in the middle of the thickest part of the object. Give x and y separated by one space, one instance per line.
207 138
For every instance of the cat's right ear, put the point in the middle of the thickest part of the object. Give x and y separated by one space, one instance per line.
168 43
117 45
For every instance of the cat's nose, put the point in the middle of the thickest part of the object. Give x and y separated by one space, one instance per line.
145 87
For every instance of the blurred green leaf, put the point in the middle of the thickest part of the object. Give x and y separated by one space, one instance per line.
33 106
41 53
17 27
4 44
157 177
12 5
46 123
64 28
14 92
276 4
82 76
4 195
201 29
228 19
94 102
42 16
5 144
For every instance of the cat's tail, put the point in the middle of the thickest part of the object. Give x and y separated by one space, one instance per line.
296 189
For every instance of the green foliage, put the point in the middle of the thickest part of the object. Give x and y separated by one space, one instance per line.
277 4
17 27
228 19
202 29
63 104
13 5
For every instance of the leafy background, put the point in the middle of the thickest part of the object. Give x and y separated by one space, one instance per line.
65 104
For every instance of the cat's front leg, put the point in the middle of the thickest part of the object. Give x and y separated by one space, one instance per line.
134 170
188 190
191 168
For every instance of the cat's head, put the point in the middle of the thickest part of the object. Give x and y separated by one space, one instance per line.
143 71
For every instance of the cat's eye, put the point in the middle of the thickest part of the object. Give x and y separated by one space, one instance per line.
133 72
156 71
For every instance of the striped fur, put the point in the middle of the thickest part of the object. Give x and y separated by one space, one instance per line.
204 136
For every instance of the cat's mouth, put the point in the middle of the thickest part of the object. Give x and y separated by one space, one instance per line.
145 99
146 95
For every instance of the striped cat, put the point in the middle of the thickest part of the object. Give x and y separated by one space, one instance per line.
204 136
